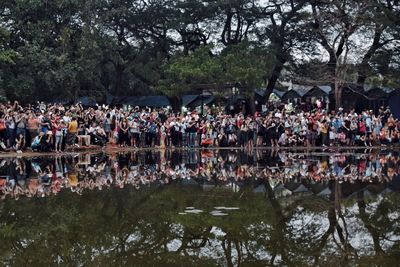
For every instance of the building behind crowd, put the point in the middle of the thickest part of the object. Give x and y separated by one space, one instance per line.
234 100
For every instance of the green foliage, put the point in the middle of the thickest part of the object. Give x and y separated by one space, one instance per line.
247 64
136 228
7 57
54 49
183 72
244 63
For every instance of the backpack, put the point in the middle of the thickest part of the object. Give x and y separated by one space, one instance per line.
153 128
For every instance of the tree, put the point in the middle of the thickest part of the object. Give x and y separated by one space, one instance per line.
53 49
284 25
194 23
184 73
334 25
7 57
338 28
380 25
244 63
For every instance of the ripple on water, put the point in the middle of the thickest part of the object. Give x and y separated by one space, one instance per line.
218 213
226 208
194 211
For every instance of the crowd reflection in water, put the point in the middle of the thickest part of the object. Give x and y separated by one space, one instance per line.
77 172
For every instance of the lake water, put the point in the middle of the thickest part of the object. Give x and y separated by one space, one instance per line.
201 208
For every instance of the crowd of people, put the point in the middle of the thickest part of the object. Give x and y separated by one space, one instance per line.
54 127
48 176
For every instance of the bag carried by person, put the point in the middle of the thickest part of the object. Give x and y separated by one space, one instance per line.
2 125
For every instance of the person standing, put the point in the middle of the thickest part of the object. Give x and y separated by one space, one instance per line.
33 127
152 132
163 134
134 130
123 136
324 130
21 122
58 132
45 124
72 131
10 123
192 129
3 128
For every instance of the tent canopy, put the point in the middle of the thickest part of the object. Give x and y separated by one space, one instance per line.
196 100
291 94
326 88
262 92
297 91
378 93
394 101
110 99
278 93
318 91
187 99
205 100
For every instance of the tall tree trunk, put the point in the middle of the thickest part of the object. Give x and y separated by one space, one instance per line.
119 69
338 94
273 78
370 227
176 103
280 224
363 68
252 105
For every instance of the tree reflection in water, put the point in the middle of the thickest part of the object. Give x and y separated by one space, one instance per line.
294 209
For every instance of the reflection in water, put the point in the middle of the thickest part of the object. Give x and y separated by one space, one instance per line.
204 208
287 172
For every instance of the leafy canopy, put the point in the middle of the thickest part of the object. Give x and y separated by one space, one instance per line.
245 64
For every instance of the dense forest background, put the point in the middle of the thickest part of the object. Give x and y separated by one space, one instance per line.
63 49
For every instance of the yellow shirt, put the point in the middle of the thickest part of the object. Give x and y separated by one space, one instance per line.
324 129
73 127
73 180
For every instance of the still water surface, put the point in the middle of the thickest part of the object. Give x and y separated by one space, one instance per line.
201 208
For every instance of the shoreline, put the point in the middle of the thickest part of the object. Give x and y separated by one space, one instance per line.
113 149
